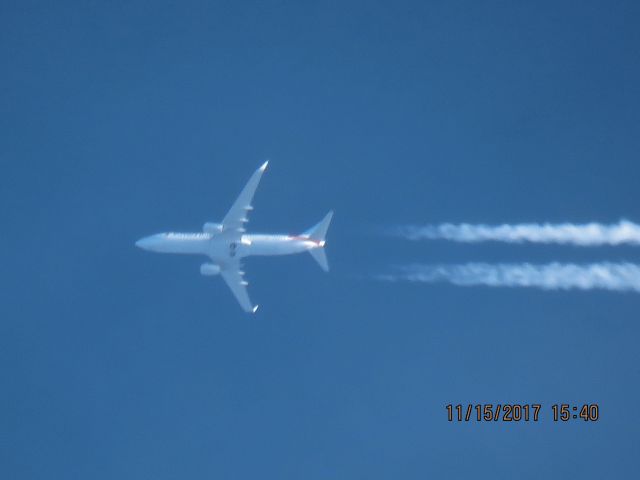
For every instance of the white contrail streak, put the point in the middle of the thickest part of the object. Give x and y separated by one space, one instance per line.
589 234
552 276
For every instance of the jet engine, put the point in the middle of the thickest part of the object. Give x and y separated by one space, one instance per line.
212 228
209 269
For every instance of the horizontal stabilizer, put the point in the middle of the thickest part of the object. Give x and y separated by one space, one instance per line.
320 257
319 231
318 234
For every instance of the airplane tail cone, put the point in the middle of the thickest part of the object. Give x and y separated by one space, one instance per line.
318 234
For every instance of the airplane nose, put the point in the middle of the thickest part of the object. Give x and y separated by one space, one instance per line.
145 243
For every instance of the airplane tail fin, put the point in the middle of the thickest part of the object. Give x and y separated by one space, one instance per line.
318 234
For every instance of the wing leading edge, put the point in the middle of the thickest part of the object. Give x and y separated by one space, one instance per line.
234 277
237 216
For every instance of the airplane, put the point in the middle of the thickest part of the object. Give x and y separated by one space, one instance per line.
226 243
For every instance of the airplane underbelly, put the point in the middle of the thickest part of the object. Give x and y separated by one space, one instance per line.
273 247
185 246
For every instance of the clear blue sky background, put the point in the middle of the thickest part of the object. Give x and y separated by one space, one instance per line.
122 119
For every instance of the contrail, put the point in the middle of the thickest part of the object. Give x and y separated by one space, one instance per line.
589 234
551 276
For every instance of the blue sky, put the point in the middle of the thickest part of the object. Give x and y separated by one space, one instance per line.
129 118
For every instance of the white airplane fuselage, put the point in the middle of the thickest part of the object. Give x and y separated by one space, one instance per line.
219 248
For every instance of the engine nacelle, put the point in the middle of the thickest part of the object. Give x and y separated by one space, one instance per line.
212 228
209 269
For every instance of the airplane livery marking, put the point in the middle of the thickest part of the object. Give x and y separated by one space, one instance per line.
178 235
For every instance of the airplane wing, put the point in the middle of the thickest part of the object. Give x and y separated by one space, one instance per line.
234 278
237 216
